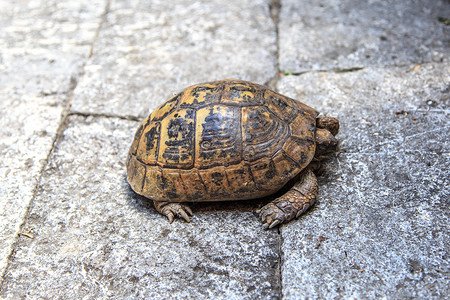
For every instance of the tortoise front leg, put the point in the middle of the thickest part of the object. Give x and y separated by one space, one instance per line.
293 203
171 209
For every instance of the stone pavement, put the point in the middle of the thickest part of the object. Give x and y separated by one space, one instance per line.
76 77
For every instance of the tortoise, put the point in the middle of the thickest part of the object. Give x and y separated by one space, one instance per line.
230 140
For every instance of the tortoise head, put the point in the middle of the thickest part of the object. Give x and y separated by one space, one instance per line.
326 143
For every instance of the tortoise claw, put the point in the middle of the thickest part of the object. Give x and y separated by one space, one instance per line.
169 215
189 210
181 213
271 215
172 209
274 223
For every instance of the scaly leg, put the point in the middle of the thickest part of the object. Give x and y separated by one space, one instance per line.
171 209
293 203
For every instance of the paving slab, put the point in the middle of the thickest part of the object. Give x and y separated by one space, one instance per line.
149 50
335 34
43 46
95 238
381 224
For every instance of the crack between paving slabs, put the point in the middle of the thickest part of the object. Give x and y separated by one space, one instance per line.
337 70
355 69
274 10
61 127
100 26
104 115
57 138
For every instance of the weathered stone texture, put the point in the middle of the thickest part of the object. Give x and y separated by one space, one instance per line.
94 235
148 51
381 224
43 46
336 34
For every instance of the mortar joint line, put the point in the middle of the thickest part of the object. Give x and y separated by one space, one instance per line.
100 26
274 10
105 115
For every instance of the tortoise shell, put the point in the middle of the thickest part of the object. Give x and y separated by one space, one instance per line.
221 140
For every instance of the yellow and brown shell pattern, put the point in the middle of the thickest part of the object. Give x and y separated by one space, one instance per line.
221 140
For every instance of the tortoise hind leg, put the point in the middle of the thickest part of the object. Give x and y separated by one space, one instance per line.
172 209
293 203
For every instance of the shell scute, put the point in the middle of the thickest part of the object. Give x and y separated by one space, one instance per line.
263 172
177 137
148 144
200 95
240 180
286 168
166 108
297 148
172 184
193 185
217 186
242 94
217 136
135 173
283 107
262 132
153 183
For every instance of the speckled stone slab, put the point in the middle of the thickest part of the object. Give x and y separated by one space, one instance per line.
381 224
148 51
347 34
43 47
95 238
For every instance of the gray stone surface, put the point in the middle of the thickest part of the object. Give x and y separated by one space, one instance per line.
42 50
381 224
95 236
336 34
148 51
